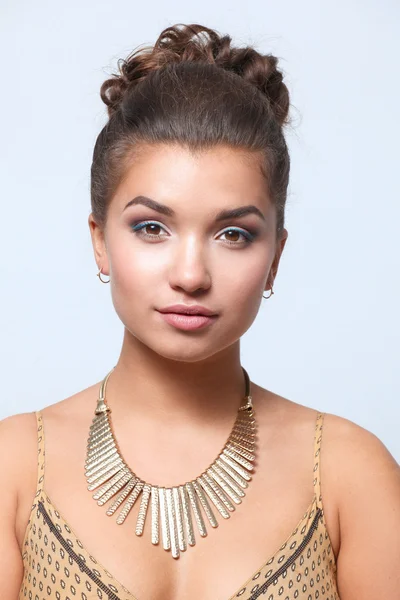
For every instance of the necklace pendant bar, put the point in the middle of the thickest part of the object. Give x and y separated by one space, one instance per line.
130 485
166 540
235 476
205 504
196 509
143 509
172 523
130 502
239 459
179 518
225 486
93 453
120 478
216 470
236 467
155 513
241 451
187 515
214 497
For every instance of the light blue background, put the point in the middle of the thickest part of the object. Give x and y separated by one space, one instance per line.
329 337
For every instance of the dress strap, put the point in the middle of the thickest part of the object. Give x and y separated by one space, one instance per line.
40 453
317 458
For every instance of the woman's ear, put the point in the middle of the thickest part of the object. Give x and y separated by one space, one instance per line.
279 249
99 245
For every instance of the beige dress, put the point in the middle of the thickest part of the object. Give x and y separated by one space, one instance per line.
57 565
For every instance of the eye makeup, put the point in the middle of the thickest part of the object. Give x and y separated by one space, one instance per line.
139 227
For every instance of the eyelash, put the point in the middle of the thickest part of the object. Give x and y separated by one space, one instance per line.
138 227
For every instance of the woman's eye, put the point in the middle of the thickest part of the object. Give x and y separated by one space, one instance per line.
248 237
151 230
144 227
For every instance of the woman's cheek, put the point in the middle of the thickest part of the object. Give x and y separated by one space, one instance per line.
133 267
247 281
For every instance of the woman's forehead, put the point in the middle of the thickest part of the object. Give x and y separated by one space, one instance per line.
173 175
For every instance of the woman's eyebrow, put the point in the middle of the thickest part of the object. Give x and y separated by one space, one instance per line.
233 213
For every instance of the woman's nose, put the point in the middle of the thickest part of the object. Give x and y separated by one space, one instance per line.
190 270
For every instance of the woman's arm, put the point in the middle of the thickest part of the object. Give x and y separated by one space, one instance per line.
11 566
367 485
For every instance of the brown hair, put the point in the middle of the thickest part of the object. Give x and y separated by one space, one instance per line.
196 92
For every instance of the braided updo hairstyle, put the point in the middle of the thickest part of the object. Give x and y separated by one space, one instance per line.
194 89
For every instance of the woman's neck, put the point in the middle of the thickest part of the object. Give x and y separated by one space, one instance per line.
173 393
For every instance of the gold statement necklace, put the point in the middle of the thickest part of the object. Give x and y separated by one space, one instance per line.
223 482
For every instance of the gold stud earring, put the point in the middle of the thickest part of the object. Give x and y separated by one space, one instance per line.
99 276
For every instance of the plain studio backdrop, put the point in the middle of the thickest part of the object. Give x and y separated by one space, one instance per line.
329 337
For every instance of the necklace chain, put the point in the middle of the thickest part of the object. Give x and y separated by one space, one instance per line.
223 482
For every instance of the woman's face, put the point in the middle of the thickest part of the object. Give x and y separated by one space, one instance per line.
172 245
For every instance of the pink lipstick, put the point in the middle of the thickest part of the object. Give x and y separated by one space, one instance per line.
188 317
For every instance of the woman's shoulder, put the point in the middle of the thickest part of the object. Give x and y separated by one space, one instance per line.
19 438
360 484
20 429
341 437
18 435
18 464
74 405
18 432
356 466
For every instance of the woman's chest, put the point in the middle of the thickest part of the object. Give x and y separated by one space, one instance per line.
74 546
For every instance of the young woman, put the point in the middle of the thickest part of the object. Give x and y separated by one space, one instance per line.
176 477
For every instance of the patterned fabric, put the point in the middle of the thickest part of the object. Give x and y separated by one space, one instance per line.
57 565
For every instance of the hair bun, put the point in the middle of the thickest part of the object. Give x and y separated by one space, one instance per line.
197 43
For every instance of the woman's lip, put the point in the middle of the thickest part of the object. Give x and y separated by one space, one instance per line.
187 322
